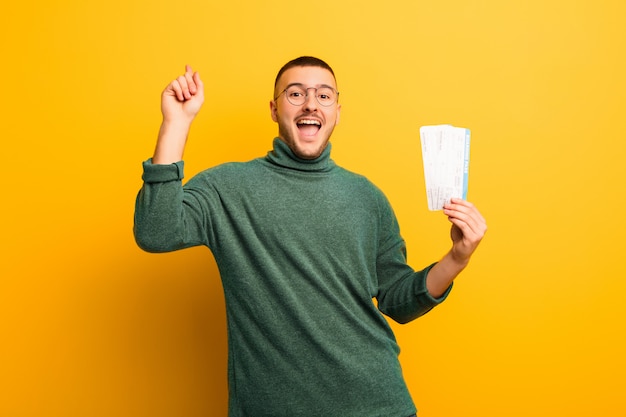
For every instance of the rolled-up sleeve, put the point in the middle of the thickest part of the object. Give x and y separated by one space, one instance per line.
163 221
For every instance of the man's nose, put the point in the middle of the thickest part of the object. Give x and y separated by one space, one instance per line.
310 100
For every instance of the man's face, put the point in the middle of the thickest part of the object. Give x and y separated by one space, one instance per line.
305 128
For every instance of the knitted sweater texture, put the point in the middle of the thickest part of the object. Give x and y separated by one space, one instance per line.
303 247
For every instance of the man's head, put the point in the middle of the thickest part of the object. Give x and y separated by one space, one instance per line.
305 105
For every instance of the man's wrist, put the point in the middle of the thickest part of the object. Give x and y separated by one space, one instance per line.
171 141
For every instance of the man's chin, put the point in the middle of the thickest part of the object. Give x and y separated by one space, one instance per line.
309 151
304 147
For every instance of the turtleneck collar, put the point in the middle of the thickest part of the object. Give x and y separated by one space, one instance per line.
283 156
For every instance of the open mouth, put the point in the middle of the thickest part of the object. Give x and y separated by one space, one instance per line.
309 127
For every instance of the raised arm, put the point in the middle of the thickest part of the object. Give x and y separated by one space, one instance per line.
180 103
163 222
468 229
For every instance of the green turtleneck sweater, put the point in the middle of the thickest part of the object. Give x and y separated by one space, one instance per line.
302 246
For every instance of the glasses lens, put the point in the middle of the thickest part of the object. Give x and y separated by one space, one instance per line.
296 95
326 96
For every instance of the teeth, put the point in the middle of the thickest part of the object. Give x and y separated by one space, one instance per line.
309 122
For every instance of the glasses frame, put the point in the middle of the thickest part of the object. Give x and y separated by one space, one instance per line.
306 89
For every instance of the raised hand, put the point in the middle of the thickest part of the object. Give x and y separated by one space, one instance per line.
468 228
183 97
180 103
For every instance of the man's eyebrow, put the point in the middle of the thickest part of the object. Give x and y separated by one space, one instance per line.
302 85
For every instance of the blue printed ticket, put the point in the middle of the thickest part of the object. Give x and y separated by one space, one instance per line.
445 154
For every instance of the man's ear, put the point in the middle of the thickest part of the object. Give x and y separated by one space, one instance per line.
273 111
338 112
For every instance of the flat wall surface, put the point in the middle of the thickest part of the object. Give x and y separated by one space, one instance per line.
92 326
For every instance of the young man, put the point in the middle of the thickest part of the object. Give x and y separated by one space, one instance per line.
303 246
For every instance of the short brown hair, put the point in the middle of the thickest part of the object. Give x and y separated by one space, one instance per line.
303 61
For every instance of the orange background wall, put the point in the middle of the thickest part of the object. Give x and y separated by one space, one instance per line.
92 326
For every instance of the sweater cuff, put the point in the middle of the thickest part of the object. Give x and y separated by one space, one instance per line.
443 296
162 173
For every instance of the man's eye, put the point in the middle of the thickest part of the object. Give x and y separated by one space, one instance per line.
296 94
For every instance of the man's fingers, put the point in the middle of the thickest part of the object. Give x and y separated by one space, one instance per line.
465 207
465 216
191 77
176 90
198 82
185 86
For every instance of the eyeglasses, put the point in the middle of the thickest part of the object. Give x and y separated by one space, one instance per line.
297 95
